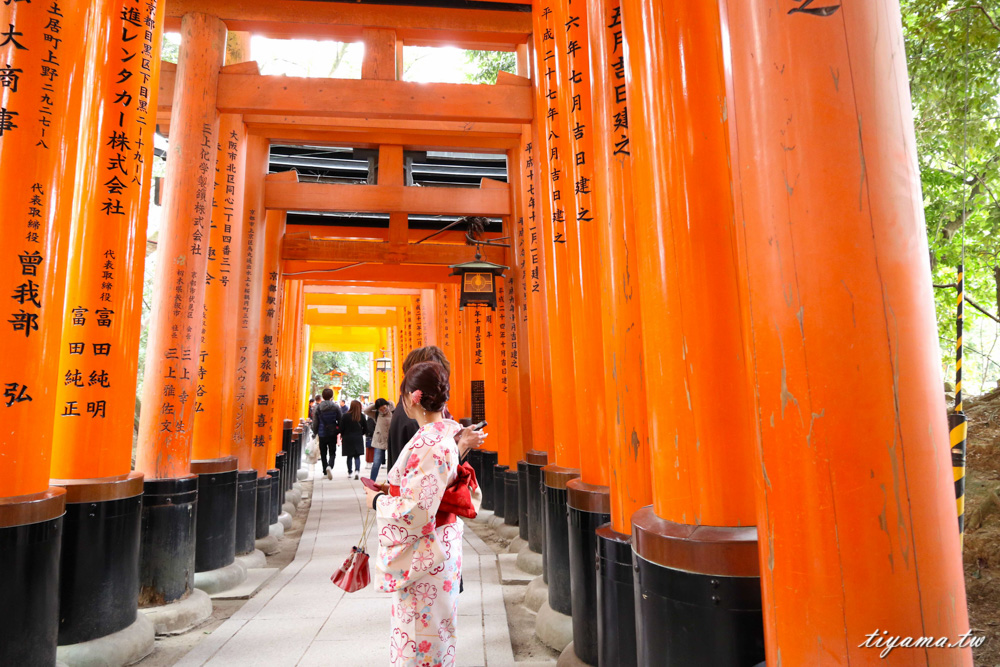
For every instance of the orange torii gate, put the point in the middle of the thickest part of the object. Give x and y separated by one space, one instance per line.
666 216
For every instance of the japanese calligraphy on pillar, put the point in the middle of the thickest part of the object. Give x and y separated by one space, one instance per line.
30 94
535 252
100 323
477 337
181 357
619 100
41 51
501 316
241 391
577 66
556 170
419 323
266 364
223 291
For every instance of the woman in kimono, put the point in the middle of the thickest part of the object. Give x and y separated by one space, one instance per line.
420 549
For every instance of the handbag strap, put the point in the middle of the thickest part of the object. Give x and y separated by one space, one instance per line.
369 521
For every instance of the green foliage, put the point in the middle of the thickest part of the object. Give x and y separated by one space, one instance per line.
953 53
357 366
171 47
489 64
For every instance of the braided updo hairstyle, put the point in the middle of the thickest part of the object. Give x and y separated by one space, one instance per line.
431 379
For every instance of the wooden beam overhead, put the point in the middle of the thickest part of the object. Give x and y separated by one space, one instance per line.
249 94
414 140
454 236
320 250
419 26
339 198
350 98
367 275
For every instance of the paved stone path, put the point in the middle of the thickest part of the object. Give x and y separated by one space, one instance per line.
301 619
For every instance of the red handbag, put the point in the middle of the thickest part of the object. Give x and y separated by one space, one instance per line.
355 574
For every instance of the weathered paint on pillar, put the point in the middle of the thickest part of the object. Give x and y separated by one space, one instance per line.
625 389
553 139
519 354
583 224
218 358
40 114
170 381
241 414
689 282
534 311
840 297
95 390
267 333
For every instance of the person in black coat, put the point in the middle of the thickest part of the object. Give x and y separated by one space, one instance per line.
352 437
327 416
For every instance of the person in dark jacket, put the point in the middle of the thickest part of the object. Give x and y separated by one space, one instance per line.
352 437
402 428
343 406
328 417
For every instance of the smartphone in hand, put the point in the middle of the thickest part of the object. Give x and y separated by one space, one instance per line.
370 484
481 425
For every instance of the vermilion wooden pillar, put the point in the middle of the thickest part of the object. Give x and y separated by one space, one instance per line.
263 448
528 194
552 235
840 294
564 343
38 142
212 448
95 390
170 381
253 483
700 527
625 390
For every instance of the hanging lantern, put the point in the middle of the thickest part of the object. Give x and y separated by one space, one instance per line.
383 364
336 379
479 287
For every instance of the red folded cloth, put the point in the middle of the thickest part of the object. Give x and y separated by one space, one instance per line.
457 498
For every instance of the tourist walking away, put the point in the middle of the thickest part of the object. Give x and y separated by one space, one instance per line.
369 435
328 418
419 558
352 437
379 412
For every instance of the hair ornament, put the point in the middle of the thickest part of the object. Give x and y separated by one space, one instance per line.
416 396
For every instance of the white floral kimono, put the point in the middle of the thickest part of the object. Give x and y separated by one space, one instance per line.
421 562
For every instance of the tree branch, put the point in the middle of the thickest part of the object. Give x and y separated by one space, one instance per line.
983 10
972 302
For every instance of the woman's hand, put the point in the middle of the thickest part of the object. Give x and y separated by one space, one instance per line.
469 439
370 496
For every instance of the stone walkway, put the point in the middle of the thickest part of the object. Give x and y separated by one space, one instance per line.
301 619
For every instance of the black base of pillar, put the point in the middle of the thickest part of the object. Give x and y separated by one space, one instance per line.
615 599
246 511
475 459
166 561
522 499
487 482
31 530
215 537
557 537
281 463
536 514
286 447
99 566
678 603
264 507
511 515
277 496
500 490
589 508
